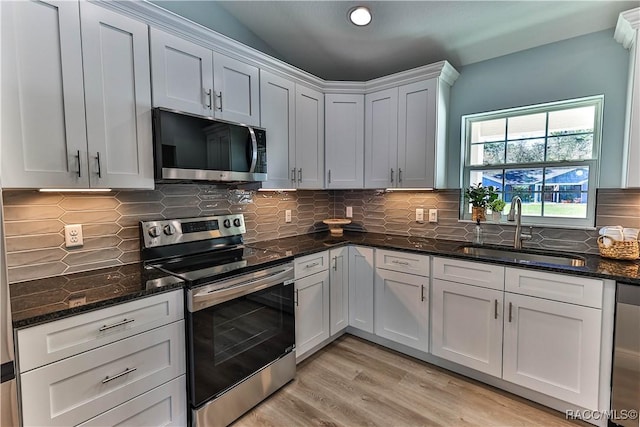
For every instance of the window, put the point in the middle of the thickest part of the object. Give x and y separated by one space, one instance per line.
547 154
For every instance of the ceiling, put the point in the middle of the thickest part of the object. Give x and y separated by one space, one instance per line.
316 36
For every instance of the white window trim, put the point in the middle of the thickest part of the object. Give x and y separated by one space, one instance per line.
594 163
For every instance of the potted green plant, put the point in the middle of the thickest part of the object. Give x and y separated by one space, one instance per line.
480 197
496 209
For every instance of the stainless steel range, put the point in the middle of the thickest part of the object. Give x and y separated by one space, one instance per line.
240 312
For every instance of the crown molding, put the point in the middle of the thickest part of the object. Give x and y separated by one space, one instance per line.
157 17
627 27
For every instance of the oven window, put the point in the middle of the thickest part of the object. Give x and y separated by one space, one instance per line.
233 340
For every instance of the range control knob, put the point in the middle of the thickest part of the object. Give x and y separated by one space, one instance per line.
154 231
226 223
236 222
169 229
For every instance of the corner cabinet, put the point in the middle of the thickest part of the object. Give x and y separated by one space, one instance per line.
339 289
344 140
405 132
76 103
626 33
194 79
361 275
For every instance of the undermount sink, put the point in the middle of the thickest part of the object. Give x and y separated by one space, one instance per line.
509 254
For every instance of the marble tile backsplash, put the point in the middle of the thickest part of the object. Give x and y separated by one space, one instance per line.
34 222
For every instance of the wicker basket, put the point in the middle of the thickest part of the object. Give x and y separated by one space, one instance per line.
619 250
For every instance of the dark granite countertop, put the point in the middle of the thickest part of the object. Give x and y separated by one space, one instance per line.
596 266
43 300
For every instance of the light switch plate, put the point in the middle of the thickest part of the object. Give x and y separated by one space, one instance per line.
419 215
287 215
73 235
433 215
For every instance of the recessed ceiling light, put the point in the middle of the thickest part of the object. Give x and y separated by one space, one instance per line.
360 16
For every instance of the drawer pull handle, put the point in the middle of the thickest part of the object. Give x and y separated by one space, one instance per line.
421 292
121 374
115 325
313 264
395 261
495 309
510 310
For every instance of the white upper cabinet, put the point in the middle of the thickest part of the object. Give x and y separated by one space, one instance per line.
194 79
182 74
277 115
381 138
50 69
405 132
344 140
627 34
236 89
308 156
115 54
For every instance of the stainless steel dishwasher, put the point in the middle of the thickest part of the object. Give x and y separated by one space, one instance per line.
625 394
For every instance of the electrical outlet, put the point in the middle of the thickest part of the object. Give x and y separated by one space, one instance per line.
419 215
73 236
433 215
287 215
77 301
349 213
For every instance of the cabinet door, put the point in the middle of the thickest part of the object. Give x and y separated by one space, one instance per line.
417 134
277 115
237 89
631 154
115 52
402 308
44 138
312 311
466 325
339 289
381 139
309 153
344 140
182 74
553 348
361 288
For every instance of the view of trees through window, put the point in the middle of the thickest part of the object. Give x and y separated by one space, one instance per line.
546 154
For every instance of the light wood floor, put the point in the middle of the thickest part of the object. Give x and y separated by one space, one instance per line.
352 382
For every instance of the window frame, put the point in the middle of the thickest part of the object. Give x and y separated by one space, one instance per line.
593 163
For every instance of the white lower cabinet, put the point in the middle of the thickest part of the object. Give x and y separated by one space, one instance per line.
361 288
164 406
312 303
78 388
339 289
467 325
553 347
402 298
402 308
120 365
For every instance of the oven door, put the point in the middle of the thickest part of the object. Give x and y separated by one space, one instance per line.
236 327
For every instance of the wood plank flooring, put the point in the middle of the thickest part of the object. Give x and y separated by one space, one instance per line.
352 382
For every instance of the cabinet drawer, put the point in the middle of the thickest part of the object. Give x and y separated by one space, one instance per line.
469 272
558 287
162 406
403 262
50 342
78 388
311 264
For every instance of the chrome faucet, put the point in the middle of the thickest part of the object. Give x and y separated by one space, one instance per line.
516 204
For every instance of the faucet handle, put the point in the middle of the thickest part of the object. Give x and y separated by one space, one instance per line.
529 236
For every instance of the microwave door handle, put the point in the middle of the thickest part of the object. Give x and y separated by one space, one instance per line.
254 150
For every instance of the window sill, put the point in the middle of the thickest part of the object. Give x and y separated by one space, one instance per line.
528 224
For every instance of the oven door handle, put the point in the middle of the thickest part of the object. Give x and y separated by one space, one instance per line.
206 298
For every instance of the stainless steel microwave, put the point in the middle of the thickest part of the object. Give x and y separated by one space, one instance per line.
192 147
